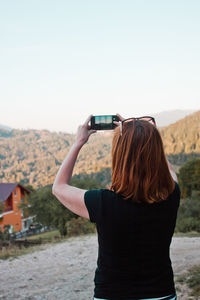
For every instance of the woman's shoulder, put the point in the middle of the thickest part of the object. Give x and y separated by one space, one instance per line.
100 194
176 192
174 198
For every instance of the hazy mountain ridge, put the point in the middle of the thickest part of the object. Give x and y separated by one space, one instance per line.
4 127
166 118
163 118
33 156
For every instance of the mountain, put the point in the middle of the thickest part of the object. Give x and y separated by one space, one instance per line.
5 127
33 156
166 118
182 139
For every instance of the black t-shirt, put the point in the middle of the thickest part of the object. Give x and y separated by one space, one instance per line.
134 240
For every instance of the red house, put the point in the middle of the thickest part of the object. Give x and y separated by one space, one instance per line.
11 196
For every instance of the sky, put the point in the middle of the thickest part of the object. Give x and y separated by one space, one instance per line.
63 60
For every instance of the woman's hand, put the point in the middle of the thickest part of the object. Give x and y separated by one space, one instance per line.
84 132
120 119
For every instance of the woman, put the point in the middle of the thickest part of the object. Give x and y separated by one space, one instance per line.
135 218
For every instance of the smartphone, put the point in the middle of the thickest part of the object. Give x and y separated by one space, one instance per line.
105 122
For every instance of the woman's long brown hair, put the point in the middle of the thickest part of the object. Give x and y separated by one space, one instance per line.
139 167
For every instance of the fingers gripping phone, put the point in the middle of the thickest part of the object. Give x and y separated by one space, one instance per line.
104 122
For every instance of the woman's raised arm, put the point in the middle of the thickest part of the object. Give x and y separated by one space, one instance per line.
69 196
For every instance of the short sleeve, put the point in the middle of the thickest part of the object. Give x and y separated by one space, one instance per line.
93 202
177 191
174 198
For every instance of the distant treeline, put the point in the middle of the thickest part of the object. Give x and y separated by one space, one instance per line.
34 156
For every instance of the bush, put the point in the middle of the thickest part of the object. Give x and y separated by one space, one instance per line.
187 225
5 235
80 226
193 281
189 214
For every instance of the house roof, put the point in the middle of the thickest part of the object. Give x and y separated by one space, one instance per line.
7 188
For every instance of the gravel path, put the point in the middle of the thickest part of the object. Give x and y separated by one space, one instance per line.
65 271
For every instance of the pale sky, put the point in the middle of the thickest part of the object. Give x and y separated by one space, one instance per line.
63 60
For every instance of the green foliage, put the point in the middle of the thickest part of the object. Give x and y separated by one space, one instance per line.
80 226
5 235
50 236
189 211
189 214
86 182
1 207
189 177
181 158
99 179
188 225
33 156
29 187
48 211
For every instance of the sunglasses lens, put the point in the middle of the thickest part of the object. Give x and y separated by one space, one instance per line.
150 120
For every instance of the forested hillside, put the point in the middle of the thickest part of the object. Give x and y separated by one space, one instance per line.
182 139
33 156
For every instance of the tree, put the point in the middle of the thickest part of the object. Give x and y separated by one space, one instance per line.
86 182
189 177
1 210
29 187
1 207
47 210
189 214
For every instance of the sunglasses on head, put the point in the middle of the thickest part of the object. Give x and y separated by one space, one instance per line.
145 118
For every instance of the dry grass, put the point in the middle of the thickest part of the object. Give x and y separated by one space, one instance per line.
46 237
192 280
187 234
14 251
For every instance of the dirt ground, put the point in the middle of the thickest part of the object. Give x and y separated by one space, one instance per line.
65 271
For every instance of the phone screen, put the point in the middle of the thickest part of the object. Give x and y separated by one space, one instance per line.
104 122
